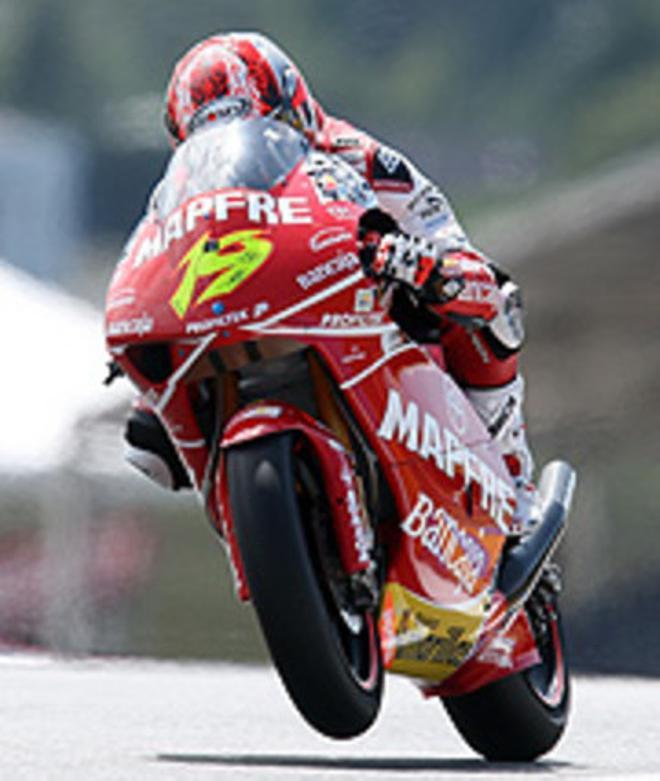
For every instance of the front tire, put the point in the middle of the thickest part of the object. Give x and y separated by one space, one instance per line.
328 660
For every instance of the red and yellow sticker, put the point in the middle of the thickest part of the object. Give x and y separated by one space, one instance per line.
422 640
231 259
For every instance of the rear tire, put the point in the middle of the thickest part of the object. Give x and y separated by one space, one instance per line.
330 666
519 718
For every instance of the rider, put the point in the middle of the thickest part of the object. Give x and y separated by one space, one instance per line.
420 242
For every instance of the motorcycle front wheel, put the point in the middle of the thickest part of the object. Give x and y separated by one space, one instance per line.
521 717
325 650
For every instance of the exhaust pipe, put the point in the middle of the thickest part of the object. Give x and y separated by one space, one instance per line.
522 564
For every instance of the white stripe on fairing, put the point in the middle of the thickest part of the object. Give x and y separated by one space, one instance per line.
306 302
173 381
318 330
356 378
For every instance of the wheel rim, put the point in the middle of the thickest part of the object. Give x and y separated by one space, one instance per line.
548 680
361 652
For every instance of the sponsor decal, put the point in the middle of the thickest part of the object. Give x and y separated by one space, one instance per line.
449 649
147 246
336 180
256 207
235 317
221 108
230 318
429 204
499 652
341 142
351 320
316 275
355 355
388 159
328 188
460 263
421 639
391 186
450 545
356 158
230 260
480 292
260 309
365 300
339 212
362 534
448 231
328 237
135 326
420 433
390 171
122 298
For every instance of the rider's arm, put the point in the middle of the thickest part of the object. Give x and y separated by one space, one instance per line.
417 204
420 211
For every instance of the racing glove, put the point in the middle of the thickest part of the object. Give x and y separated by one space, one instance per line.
418 264
460 283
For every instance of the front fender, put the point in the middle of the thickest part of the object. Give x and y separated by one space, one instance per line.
349 517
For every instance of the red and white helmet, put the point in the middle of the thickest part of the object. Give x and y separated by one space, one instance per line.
238 74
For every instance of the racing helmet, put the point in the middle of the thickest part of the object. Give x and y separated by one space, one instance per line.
238 74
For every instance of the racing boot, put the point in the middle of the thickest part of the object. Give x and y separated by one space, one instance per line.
501 411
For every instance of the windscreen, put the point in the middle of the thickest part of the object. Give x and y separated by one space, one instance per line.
255 153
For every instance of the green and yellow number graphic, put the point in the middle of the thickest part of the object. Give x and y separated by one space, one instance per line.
231 259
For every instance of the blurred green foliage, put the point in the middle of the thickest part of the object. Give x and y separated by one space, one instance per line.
577 78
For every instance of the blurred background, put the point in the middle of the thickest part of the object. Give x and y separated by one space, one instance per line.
541 119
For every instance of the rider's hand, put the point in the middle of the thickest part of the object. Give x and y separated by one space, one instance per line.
418 264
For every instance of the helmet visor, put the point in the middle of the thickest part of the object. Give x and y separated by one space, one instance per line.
255 153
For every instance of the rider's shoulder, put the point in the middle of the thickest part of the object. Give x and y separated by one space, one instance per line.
338 137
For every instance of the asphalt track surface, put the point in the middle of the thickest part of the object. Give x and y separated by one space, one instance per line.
101 719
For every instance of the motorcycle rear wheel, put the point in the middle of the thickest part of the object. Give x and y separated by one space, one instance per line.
521 717
329 662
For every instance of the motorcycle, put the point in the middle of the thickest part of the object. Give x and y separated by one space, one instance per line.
365 509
